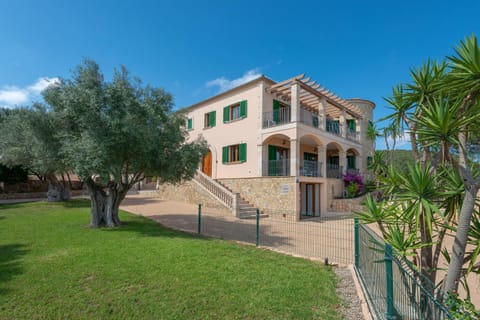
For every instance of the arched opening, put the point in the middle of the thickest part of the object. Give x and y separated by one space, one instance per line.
310 160
334 169
276 155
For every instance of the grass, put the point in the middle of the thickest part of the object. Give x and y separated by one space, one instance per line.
52 266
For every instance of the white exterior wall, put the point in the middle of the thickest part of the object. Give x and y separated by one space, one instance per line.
235 132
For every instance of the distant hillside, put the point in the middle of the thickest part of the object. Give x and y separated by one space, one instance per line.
401 159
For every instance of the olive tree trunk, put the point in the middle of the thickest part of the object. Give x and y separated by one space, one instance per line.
104 204
57 191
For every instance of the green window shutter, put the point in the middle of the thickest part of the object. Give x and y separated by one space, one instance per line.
189 123
226 114
272 156
351 162
212 119
272 153
243 109
225 155
242 152
276 110
351 125
315 121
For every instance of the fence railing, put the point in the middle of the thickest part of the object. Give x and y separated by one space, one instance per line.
334 171
309 118
395 290
311 168
352 135
314 238
276 117
276 167
217 190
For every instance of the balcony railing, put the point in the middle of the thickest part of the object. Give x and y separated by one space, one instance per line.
309 118
276 167
276 117
311 168
352 134
353 171
334 171
334 127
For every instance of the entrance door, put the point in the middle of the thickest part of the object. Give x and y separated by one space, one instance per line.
310 199
207 164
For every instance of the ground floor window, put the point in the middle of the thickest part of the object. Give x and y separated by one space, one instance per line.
236 153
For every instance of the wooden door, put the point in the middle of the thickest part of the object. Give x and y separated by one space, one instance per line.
207 164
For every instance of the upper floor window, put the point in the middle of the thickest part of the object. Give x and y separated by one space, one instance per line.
234 153
189 123
351 125
210 119
235 111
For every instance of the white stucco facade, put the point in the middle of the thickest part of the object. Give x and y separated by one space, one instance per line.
291 128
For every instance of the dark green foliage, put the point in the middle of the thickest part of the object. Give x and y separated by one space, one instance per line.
12 175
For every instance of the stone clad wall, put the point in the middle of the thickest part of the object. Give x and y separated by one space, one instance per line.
189 192
347 205
269 194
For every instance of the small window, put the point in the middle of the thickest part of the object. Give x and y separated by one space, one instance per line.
235 111
189 124
234 153
209 120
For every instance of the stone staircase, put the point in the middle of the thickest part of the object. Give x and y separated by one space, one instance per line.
240 207
245 209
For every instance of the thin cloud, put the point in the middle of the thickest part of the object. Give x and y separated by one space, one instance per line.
225 84
402 142
11 96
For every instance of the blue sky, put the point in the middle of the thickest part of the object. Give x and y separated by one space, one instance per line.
194 49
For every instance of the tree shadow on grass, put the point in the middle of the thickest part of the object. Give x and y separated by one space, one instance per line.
10 263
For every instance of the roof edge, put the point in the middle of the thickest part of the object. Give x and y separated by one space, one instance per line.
224 93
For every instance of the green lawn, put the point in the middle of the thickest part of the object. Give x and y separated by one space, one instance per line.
52 266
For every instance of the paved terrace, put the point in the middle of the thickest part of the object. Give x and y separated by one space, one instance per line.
319 238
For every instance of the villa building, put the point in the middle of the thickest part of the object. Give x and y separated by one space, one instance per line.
282 145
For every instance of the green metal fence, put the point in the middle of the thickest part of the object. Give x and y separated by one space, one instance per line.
317 238
395 290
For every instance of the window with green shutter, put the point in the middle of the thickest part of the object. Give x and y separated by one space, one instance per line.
351 125
351 162
210 119
235 153
189 124
235 111
369 161
276 110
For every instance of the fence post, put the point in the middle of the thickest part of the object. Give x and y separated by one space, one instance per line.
357 243
257 235
199 218
390 315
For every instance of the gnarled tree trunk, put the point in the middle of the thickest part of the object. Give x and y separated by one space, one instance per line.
57 191
105 203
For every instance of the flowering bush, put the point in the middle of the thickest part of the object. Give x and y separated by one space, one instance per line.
354 180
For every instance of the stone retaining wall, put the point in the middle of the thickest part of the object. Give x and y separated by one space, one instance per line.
269 194
347 205
188 192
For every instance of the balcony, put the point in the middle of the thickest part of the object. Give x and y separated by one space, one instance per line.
334 171
309 118
352 135
276 168
311 168
276 118
353 171
333 126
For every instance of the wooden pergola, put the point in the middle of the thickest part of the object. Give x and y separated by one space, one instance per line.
311 94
